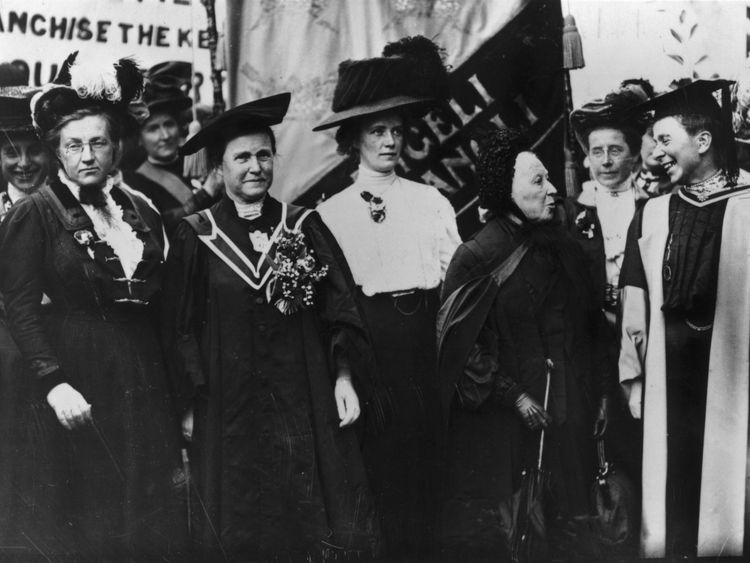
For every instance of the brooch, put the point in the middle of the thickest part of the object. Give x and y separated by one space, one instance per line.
376 206
85 238
585 225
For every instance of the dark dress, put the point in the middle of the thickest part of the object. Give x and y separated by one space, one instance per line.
104 490
170 193
276 478
401 418
544 310
689 277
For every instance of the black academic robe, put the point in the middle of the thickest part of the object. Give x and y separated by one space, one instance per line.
275 476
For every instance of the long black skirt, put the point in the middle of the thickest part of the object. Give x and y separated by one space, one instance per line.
107 490
401 419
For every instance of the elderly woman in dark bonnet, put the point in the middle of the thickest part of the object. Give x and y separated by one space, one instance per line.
106 447
537 321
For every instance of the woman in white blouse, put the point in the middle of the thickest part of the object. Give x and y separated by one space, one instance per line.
398 237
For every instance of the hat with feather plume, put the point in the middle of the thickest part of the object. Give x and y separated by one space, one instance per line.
79 85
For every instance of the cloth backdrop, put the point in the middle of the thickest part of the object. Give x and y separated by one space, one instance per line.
505 62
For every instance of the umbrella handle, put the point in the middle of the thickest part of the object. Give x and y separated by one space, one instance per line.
550 366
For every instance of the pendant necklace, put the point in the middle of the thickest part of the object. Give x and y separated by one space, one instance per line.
375 204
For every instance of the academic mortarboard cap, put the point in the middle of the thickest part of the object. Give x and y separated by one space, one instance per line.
240 120
699 98
696 98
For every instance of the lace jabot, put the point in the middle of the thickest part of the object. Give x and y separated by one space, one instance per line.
110 226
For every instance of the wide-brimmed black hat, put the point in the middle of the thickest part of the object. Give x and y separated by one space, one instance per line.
701 97
613 111
410 75
80 85
164 89
14 74
237 121
15 111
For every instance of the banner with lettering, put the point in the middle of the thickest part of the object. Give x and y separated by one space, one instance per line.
505 60
40 34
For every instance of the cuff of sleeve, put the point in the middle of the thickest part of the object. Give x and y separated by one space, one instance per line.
46 383
509 395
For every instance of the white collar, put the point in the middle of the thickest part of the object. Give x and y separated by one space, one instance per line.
375 182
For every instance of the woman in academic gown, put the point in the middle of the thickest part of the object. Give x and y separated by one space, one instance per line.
264 361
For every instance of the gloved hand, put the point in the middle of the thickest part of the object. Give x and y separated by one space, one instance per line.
532 413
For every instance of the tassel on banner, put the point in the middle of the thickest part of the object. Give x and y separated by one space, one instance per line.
572 46
195 165
572 185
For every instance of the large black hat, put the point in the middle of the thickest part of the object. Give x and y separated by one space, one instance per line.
14 74
700 98
239 121
164 90
80 85
410 75
612 111
15 112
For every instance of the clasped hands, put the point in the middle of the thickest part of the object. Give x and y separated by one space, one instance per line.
535 417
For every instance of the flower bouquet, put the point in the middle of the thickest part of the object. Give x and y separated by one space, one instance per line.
291 287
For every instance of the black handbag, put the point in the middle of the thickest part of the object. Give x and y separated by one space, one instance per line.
614 502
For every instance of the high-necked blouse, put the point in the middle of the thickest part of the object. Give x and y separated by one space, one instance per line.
410 249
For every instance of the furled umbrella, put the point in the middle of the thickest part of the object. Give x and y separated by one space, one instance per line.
522 515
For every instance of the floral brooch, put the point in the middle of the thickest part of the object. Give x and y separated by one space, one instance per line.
295 272
85 238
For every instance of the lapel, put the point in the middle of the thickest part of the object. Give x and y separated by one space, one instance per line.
228 238
75 220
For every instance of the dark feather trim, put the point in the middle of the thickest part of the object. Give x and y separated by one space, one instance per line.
63 75
130 78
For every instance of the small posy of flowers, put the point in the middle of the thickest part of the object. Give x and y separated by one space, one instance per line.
585 224
85 238
295 273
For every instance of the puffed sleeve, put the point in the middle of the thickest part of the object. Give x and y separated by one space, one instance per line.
22 260
183 314
337 306
449 237
633 320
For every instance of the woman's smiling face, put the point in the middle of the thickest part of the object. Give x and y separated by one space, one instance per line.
678 152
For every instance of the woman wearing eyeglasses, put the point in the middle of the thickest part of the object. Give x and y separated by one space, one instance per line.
106 444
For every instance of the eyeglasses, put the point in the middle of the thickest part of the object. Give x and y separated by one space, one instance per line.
77 148
615 153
